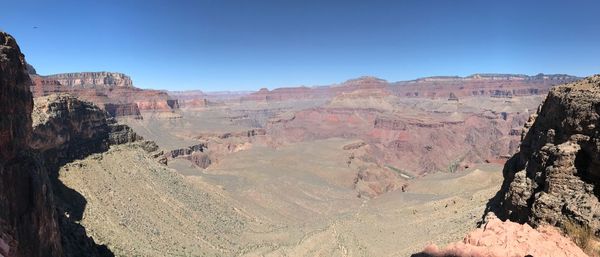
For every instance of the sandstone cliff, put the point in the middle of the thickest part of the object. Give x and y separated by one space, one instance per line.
555 178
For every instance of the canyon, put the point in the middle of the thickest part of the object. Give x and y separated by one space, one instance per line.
93 166
114 92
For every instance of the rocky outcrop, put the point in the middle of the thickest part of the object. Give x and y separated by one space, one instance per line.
501 239
66 128
28 220
186 151
123 109
555 178
390 124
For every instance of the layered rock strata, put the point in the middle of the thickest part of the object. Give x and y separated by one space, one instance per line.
555 178
114 92
66 128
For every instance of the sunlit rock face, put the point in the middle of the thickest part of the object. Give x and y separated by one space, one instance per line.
555 178
498 239
113 92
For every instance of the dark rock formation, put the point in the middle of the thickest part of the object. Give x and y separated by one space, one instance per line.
28 220
38 214
30 69
555 178
65 128
186 151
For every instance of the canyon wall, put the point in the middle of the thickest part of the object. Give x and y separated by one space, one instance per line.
552 182
452 88
28 220
39 216
114 92
555 177
92 80
491 85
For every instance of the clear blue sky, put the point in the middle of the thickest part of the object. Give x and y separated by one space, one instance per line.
241 45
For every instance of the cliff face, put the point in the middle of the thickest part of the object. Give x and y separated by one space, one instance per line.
92 79
114 92
66 128
28 222
39 216
555 178
488 85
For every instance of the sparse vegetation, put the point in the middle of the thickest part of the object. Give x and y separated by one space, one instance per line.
583 237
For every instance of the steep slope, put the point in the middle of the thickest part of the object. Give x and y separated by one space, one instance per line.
555 178
28 221
141 208
66 129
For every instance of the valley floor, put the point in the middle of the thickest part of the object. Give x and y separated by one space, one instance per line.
266 202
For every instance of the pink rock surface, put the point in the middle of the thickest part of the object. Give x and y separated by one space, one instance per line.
499 239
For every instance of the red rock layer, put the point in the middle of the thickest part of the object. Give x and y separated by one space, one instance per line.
492 85
418 145
112 91
508 239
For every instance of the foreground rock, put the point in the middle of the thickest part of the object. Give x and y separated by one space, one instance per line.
28 221
555 178
501 239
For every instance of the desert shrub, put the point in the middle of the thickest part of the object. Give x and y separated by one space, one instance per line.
583 237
